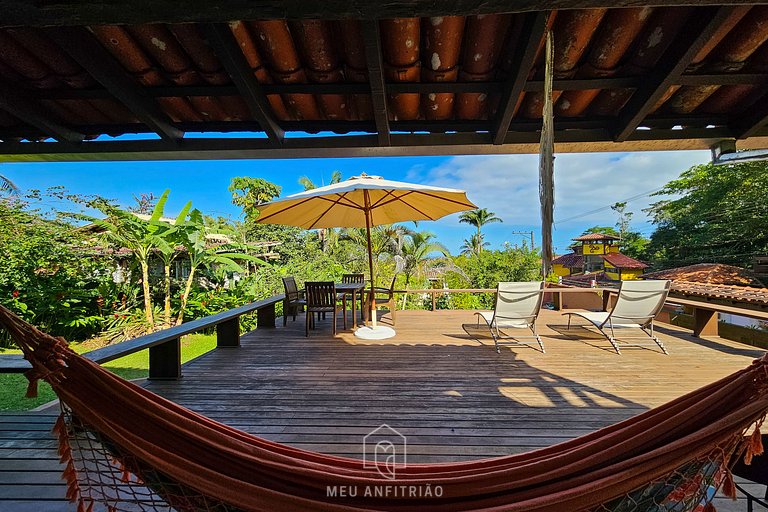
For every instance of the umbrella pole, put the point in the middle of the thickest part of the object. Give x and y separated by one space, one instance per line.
372 297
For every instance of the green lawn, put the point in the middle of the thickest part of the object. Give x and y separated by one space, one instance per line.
134 366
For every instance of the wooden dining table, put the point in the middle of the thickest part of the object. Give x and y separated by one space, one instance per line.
352 288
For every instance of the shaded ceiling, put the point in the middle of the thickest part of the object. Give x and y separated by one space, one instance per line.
664 77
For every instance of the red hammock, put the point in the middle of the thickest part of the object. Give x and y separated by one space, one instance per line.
154 451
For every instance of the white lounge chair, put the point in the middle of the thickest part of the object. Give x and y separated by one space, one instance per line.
638 303
517 306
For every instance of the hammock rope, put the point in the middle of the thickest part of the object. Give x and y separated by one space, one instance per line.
129 449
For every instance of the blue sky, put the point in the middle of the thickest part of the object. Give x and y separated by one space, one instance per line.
505 184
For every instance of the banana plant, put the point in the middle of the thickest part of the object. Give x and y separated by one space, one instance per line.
202 254
124 229
168 241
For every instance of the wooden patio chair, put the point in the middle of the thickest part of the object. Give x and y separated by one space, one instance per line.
637 305
351 278
293 301
517 307
321 298
382 297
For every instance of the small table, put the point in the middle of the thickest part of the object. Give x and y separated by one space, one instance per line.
352 288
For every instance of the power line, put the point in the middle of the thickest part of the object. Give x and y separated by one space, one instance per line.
598 210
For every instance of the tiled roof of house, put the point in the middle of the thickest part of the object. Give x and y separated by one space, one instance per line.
595 236
711 273
619 260
570 260
720 291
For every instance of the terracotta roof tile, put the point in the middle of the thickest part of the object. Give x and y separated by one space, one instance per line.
595 236
720 291
570 260
710 273
590 43
619 260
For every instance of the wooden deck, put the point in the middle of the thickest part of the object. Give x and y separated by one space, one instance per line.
438 382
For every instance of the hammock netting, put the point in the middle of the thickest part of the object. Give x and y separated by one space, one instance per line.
127 449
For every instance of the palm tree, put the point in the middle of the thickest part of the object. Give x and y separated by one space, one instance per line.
479 218
415 251
8 187
385 239
474 245
324 234
308 184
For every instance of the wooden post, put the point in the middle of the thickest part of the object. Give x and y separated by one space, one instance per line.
165 361
704 322
606 299
228 333
434 301
265 317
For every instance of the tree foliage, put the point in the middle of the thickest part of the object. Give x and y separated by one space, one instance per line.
48 274
248 193
719 216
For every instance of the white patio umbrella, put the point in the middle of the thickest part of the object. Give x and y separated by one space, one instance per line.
364 201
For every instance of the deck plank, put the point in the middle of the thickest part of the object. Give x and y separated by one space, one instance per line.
441 386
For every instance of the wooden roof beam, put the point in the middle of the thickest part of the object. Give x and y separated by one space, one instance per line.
534 27
224 44
375 63
99 63
748 125
33 114
667 73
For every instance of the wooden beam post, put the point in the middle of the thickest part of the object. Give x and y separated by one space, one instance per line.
30 112
534 27
99 63
224 44
704 322
667 72
265 317
228 333
372 40
165 361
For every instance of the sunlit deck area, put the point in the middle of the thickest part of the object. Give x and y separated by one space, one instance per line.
439 382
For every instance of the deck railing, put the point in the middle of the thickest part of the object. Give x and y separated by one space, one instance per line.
165 346
704 311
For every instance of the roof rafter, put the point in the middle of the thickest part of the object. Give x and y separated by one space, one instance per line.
32 113
667 73
374 61
525 53
224 44
99 63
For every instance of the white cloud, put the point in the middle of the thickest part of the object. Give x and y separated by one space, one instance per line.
508 184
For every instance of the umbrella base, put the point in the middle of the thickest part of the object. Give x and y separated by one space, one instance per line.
380 332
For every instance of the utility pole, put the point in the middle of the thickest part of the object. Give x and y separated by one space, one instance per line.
526 233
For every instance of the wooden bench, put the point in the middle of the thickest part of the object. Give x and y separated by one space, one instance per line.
165 346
